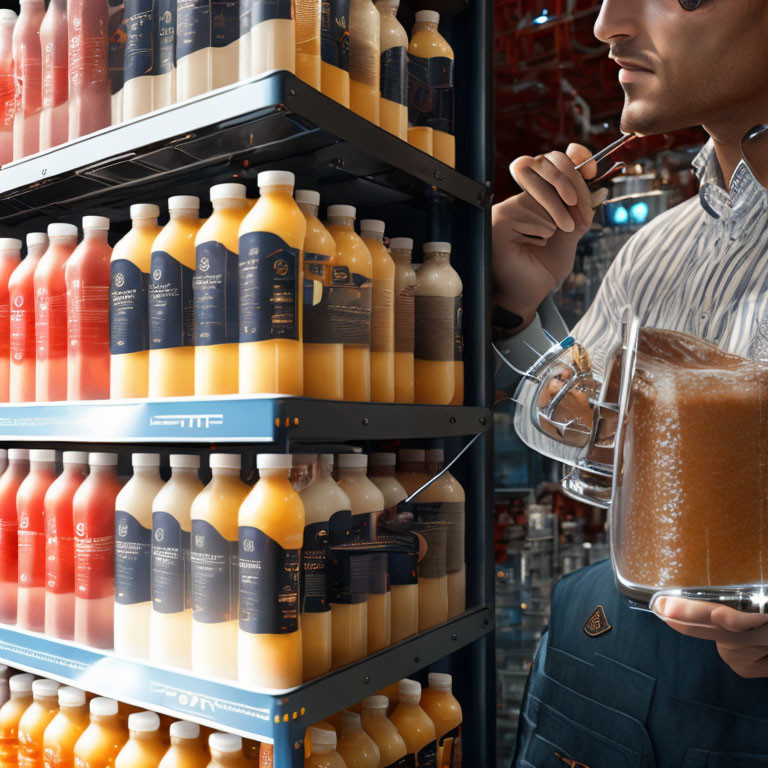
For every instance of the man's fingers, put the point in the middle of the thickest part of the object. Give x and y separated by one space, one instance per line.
737 621
699 631
578 153
548 198
682 609
755 669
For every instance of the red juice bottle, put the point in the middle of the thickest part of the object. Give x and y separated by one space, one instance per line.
60 546
27 72
11 479
93 513
10 256
29 506
51 314
88 283
7 84
21 292
54 117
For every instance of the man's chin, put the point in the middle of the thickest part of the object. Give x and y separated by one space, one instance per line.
646 119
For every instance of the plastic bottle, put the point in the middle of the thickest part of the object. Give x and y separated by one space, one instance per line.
88 285
364 59
171 308
54 117
7 84
383 313
383 732
187 750
21 294
244 41
352 280
11 480
334 50
93 511
405 282
3 467
215 288
133 536
129 304
323 359
273 36
60 546
10 258
308 23
171 619
266 756
193 48
270 245
34 721
444 711
414 725
65 729
51 314
394 70
145 746
271 529
27 67
215 582
324 754
10 715
116 58
226 751
225 44
103 739
29 506
356 747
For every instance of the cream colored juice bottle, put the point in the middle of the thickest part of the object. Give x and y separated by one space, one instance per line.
270 250
34 721
356 747
273 36
323 359
10 714
187 750
129 305
65 729
444 711
405 283
364 59
226 751
215 289
271 530
214 568
103 739
334 50
308 22
193 48
394 70
171 308
352 283
383 313
145 746
437 305
414 725
383 732
324 754
133 556
225 43
170 625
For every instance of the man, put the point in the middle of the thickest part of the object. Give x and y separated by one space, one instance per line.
612 686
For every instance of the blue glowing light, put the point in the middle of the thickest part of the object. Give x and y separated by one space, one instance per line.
620 215
543 19
638 213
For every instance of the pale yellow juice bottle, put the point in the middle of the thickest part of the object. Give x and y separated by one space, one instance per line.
273 39
308 15
65 729
145 746
383 731
437 305
364 59
444 710
216 293
103 739
187 749
334 50
324 754
414 725
323 726
171 308
393 103
226 751
401 249
10 714
129 305
34 721
271 530
270 248
383 313
356 747
352 283
214 568
323 358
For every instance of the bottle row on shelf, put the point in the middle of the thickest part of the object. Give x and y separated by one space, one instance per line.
83 65
271 585
257 299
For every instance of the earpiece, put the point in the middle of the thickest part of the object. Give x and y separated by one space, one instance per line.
690 5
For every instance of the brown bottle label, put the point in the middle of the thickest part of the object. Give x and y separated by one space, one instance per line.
434 328
383 322
404 320
458 336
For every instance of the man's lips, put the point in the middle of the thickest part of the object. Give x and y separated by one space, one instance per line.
631 66
631 71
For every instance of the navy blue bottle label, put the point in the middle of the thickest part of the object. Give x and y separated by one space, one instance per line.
269 584
132 560
269 288
434 337
426 757
171 567
116 52
193 26
348 572
165 36
264 10
378 576
314 568
128 309
214 575
215 288
138 45
458 336
402 568
171 307
334 33
394 75
225 22
430 92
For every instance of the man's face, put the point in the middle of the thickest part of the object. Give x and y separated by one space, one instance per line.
686 68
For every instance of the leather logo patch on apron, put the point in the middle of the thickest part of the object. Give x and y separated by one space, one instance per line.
571 763
597 624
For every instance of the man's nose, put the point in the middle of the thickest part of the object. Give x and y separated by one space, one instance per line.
618 19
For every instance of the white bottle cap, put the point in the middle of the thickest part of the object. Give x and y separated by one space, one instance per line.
74 457
145 211
21 683
276 179
382 460
300 459
7 16
356 449
435 455
71 697
432 16
42 455
225 461
10 244
95 222
274 461
350 720
342 211
225 742
36 238
45 689
144 722
350 460
376 703
401 244
102 459
409 687
228 191
18 454
59 229
374 226
436 248
319 737
184 460
307 196
183 729
440 681
388 3
326 458
103 707
411 454
184 203
145 459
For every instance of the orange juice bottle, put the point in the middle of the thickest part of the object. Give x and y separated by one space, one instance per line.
34 721
65 729
271 522
394 70
145 747
444 711
355 746
215 289
226 751
103 739
128 305
414 725
308 15
383 313
405 283
271 242
382 730
10 258
364 59
187 750
352 283
324 754
10 714
171 309
334 50
323 358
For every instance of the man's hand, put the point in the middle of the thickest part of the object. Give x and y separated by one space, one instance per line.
741 638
